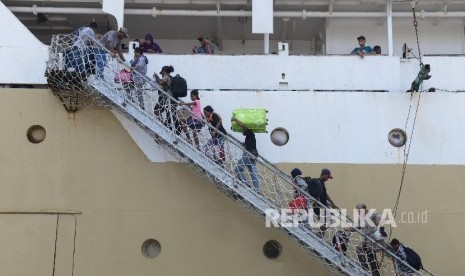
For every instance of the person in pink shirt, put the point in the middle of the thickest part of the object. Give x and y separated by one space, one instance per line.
195 119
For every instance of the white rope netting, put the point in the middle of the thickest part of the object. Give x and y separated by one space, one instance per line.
89 74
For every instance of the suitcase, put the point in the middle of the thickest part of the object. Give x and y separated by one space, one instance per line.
253 119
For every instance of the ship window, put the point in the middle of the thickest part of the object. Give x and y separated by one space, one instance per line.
272 249
279 136
36 134
397 137
151 248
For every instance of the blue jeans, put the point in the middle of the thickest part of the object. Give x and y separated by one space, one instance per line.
251 165
139 91
100 61
77 58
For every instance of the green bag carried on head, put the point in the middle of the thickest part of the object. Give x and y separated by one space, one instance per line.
253 119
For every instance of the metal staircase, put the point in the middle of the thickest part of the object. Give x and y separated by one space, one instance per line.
73 76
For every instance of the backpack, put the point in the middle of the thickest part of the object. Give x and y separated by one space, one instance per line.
315 189
413 259
178 86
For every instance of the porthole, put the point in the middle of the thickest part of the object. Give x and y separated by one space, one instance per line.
272 249
36 134
397 137
279 136
151 248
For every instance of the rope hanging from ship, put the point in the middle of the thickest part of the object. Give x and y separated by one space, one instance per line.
407 148
415 25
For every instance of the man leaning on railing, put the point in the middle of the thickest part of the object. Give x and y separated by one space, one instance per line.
112 41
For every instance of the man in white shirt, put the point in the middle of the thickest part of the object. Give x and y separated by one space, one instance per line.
83 35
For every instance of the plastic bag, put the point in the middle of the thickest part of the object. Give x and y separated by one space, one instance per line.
123 76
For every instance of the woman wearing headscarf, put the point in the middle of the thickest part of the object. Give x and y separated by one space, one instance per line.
149 46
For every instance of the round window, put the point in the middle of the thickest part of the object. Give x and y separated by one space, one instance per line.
279 136
36 134
397 137
151 248
272 250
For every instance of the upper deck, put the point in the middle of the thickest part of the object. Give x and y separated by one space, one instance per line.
310 27
320 35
